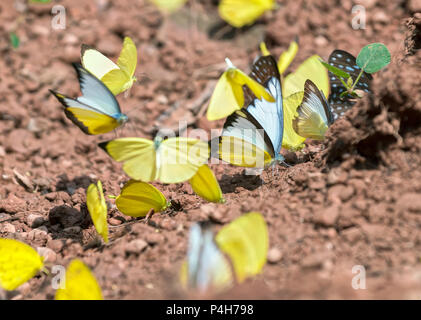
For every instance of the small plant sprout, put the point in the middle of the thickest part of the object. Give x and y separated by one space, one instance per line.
14 40
372 58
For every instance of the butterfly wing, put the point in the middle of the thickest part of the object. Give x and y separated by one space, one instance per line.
169 5
117 81
311 69
121 79
239 13
89 119
95 94
228 95
244 127
97 208
95 62
346 62
137 198
205 185
207 267
246 241
127 60
291 140
18 263
226 99
269 114
286 58
80 284
178 159
137 154
314 115
239 152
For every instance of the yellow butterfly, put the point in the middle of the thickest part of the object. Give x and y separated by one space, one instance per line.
172 160
313 114
137 198
239 13
98 209
117 77
80 284
205 185
246 241
169 5
228 95
18 263
237 252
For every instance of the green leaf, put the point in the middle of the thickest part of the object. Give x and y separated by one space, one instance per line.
349 82
41 1
14 40
373 57
336 71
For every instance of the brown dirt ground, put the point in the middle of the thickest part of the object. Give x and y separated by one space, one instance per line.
353 200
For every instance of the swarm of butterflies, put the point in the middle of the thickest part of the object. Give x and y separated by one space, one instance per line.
258 118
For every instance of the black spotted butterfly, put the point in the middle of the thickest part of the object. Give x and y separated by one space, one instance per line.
346 62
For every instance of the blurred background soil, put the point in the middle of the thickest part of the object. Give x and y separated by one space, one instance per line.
352 200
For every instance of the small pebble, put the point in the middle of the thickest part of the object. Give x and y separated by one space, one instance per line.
48 254
114 221
8 227
136 246
34 220
55 245
274 255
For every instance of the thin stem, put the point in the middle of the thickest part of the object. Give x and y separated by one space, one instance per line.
344 83
356 80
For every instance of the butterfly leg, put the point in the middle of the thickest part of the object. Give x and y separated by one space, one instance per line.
149 216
